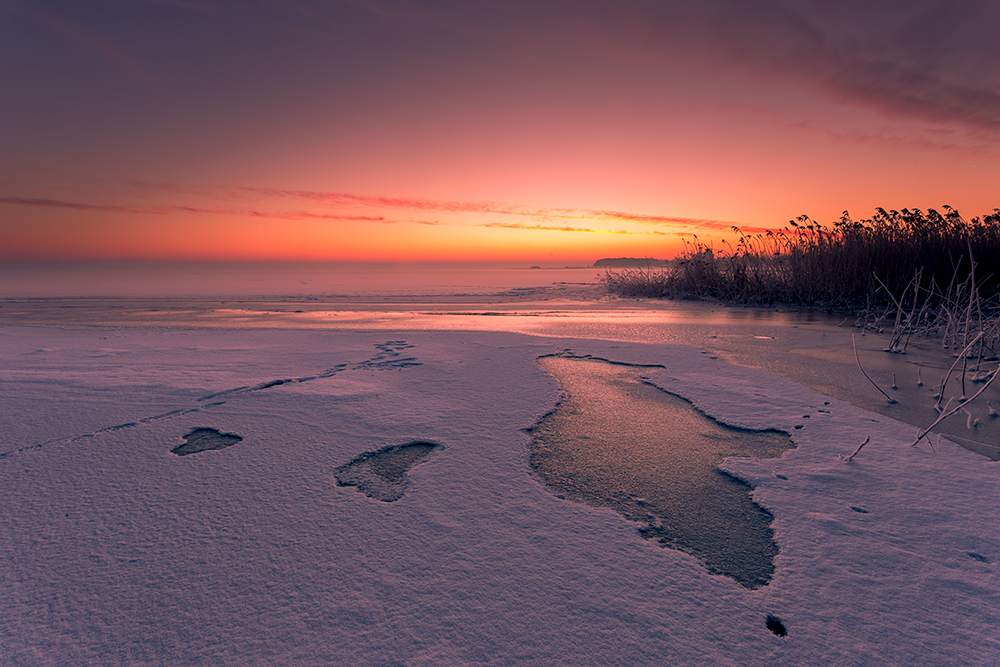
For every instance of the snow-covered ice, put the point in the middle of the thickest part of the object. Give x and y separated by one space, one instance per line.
117 551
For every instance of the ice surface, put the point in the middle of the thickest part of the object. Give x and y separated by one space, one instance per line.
115 551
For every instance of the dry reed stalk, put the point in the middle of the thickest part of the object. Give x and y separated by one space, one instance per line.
855 340
944 379
944 415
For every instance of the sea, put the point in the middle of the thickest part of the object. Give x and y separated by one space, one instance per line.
134 279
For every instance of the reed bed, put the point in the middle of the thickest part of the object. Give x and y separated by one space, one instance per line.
910 272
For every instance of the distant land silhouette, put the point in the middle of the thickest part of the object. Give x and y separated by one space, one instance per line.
629 262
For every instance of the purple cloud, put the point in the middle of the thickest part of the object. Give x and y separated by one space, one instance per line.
936 60
162 210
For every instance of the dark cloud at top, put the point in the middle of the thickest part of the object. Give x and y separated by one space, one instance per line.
937 60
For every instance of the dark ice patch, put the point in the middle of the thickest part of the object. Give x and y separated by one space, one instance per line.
202 439
382 474
775 625
117 428
272 383
981 558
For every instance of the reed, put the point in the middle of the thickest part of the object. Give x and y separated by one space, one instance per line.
837 267
913 272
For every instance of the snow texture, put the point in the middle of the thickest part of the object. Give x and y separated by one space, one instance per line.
115 551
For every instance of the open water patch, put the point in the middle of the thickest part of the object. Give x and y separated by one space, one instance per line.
382 474
202 439
617 441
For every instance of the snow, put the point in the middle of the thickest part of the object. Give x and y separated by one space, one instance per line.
113 550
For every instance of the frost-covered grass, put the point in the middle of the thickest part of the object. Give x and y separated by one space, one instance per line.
113 550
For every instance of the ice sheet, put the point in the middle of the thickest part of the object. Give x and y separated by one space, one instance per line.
116 551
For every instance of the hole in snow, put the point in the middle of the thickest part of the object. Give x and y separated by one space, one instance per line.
382 474
202 439
615 441
775 625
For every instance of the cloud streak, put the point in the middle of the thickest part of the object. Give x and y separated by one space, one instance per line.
553 228
442 206
543 215
164 210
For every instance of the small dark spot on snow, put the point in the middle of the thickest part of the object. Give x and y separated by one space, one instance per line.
202 439
806 417
826 402
861 510
981 558
775 625
272 383
798 426
781 477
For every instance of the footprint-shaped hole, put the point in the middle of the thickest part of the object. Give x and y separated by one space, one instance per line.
382 474
202 439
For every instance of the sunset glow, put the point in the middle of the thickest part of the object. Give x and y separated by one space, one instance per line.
378 130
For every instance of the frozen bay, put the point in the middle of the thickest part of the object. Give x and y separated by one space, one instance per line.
117 551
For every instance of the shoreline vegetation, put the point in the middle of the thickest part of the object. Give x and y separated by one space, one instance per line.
917 273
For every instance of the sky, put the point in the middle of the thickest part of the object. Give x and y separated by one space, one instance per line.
549 130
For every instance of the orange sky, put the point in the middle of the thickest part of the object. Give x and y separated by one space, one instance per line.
547 131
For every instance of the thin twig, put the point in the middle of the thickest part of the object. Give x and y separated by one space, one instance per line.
855 340
850 458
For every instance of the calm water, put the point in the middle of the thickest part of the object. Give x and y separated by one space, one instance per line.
273 279
617 442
